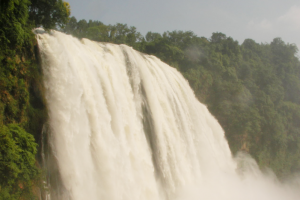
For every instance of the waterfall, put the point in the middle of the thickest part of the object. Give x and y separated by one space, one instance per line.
126 126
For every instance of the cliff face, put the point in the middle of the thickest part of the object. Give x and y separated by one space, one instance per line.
22 115
21 99
22 109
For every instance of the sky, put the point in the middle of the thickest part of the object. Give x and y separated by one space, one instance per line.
260 20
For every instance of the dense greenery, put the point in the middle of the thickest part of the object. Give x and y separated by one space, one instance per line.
17 161
49 13
97 31
22 111
253 89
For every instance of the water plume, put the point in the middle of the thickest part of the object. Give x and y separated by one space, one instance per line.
126 126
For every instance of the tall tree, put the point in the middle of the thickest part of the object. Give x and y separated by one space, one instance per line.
13 19
49 13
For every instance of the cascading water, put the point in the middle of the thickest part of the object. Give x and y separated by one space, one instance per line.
126 126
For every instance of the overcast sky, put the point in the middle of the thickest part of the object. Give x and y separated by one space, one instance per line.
261 20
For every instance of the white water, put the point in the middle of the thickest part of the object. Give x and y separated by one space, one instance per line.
126 126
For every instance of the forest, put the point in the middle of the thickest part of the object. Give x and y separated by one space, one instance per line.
253 89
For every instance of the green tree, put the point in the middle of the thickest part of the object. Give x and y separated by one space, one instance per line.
17 163
13 19
150 37
49 13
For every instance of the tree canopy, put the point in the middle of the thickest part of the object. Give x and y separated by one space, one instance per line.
49 13
17 163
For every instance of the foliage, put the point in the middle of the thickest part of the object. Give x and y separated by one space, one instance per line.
49 13
97 31
13 18
17 163
22 111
